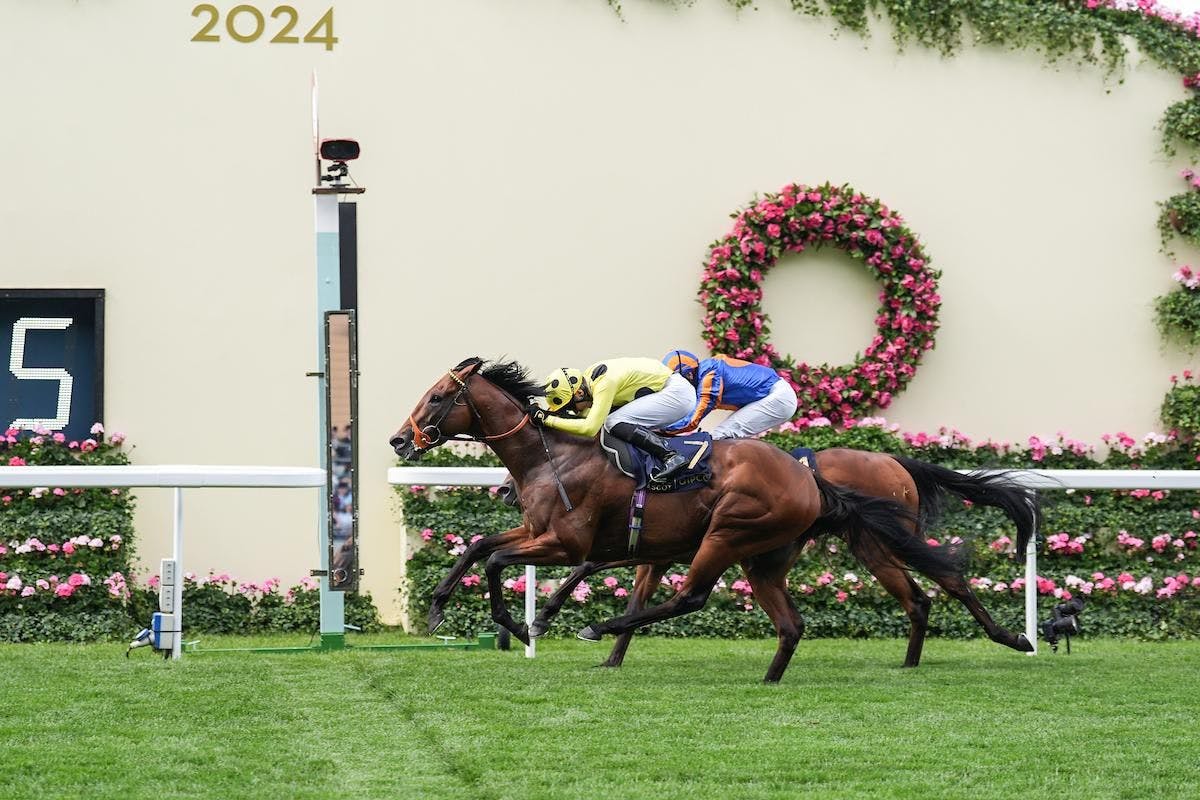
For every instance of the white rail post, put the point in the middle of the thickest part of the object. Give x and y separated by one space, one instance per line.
530 606
177 647
1031 587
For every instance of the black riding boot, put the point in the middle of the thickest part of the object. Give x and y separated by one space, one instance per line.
653 444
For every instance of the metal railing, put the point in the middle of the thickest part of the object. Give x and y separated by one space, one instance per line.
173 476
1035 479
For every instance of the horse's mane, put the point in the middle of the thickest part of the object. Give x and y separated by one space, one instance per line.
509 376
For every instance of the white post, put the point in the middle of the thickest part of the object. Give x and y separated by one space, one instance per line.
1031 592
530 605
177 647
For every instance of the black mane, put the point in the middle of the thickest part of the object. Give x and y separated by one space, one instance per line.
509 376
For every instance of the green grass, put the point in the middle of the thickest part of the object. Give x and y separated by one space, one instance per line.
683 718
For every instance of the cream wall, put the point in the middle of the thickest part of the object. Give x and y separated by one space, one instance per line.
543 181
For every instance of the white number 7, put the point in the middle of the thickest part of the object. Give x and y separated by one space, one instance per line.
16 363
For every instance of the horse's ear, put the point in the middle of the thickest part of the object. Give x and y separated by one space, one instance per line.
468 367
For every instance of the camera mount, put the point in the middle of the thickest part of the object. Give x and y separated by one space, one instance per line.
339 151
1064 621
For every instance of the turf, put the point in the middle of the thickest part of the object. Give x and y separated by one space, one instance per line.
1116 719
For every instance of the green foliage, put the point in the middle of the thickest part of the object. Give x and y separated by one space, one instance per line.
1180 215
64 553
1181 122
838 598
1177 314
1181 409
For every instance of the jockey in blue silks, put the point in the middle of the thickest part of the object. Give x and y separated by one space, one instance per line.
759 398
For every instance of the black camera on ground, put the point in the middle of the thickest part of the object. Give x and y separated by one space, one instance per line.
1064 621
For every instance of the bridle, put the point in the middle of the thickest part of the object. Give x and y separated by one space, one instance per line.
430 436
427 437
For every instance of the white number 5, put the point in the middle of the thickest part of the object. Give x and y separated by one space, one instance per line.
16 363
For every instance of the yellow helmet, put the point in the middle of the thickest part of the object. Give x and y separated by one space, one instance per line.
563 385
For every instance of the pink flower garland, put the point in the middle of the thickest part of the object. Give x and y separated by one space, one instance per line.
800 217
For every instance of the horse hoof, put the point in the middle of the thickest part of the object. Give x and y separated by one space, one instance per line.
435 621
589 634
538 628
522 633
1023 644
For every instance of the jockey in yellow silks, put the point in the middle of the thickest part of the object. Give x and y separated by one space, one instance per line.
627 397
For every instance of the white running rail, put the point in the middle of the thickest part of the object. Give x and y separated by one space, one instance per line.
171 476
1036 479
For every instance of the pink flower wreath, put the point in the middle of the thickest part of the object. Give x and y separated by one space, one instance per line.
800 217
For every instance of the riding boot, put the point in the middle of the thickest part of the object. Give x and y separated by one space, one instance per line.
653 444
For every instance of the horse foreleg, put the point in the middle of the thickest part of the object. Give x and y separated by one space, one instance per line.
474 552
546 550
710 562
645 583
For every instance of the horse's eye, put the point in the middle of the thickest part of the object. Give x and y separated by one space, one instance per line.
437 398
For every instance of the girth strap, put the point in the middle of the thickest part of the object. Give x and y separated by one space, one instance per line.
637 509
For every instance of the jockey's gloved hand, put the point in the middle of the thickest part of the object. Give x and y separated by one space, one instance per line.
537 414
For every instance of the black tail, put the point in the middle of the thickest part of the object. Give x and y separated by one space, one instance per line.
996 490
888 524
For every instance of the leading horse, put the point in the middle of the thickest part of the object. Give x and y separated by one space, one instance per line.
575 507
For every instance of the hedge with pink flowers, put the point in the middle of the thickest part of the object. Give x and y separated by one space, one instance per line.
1134 556
67 556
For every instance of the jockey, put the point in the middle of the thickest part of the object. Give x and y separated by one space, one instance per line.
627 397
760 399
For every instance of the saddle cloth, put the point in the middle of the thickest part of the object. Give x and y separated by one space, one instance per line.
695 447
806 456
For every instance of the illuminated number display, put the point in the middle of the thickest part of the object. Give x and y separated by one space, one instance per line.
52 347
246 23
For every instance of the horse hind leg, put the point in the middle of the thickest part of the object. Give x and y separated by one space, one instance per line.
900 585
767 576
956 586
644 586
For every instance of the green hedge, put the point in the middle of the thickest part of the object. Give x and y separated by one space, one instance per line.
1145 590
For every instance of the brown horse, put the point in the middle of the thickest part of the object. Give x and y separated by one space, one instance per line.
575 506
920 487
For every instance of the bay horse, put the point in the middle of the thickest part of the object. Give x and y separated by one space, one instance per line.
921 487
575 507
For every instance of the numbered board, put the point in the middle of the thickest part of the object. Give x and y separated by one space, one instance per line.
52 345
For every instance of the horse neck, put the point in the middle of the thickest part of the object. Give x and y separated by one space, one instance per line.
524 451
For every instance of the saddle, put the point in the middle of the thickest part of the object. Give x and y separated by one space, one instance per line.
636 464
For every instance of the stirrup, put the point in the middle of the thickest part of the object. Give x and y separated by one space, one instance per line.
673 464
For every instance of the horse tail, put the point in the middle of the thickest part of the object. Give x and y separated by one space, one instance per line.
886 525
995 490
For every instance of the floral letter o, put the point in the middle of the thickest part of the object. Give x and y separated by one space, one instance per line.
800 217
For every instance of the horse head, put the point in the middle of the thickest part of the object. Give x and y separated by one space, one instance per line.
444 411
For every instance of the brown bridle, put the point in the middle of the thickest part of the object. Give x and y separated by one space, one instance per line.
424 441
